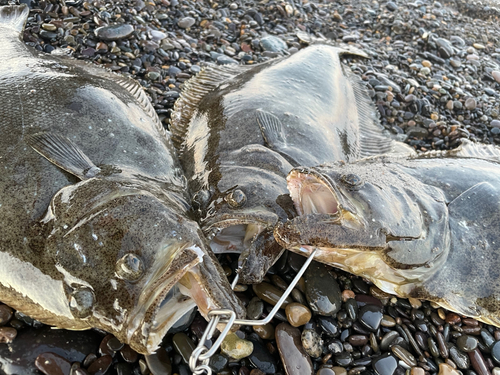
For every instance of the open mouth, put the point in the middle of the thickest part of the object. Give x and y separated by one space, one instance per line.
311 195
235 238
173 290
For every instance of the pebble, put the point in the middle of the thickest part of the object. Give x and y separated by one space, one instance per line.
262 358
236 348
371 316
386 364
467 343
273 44
495 123
312 343
294 358
446 369
7 334
101 365
496 75
265 332
392 6
115 32
404 355
297 314
470 104
322 290
5 314
478 363
159 362
271 294
183 345
52 364
186 22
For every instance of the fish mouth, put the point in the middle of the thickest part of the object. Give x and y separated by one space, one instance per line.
311 194
173 289
235 233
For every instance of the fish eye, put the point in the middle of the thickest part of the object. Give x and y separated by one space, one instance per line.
130 267
81 302
351 180
200 199
236 198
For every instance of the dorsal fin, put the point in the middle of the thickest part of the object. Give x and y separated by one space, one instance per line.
467 149
193 92
14 16
137 91
372 140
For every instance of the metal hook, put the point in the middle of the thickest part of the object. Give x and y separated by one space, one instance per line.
203 354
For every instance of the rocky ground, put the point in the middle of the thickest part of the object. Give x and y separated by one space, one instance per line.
434 75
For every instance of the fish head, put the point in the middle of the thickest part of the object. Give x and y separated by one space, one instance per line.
132 264
240 217
367 219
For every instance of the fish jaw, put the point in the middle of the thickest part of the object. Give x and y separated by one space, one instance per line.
192 279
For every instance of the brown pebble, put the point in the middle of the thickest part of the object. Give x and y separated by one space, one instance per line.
415 303
347 294
417 371
294 358
470 322
100 365
129 354
5 314
7 335
52 364
446 369
270 294
265 332
426 63
478 363
297 314
279 282
256 372
387 321
103 347
339 370
452 318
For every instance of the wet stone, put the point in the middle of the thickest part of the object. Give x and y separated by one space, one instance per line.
124 369
460 359
270 294
385 364
236 348
128 354
478 363
357 340
52 364
114 32
7 335
446 369
467 343
312 343
273 44
261 357
183 345
343 359
297 314
100 365
370 316
404 355
495 351
186 22
322 290
159 362
339 370
329 325
294 358
218 362
265 332
5 314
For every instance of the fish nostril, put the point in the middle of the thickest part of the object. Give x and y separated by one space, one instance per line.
130 267
81 302
236 198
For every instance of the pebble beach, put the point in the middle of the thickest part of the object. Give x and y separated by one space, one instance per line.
434 76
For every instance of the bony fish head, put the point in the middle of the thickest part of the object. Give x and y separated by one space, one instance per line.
131 264
363 214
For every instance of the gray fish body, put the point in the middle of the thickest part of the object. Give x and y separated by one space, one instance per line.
239 130
94 227
425 227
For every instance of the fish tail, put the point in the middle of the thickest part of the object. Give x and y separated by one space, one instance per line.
14 16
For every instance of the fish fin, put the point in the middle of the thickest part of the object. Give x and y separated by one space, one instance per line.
467 149
271 129
14 16
136 90
372 140
63 153
192 94
483 200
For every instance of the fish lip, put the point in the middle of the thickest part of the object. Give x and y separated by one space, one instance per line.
215 224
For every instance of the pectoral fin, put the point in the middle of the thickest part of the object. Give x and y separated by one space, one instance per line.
62 152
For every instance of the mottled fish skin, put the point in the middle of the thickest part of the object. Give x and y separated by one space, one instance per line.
93 208
425 226
239 131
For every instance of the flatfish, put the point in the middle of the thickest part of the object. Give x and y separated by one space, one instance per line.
94 225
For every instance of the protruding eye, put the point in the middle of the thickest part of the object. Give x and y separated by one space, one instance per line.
200 199
351 180
81 302
236 198
130 267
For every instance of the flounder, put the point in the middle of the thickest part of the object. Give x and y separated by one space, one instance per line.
240 129
425 226
94 225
